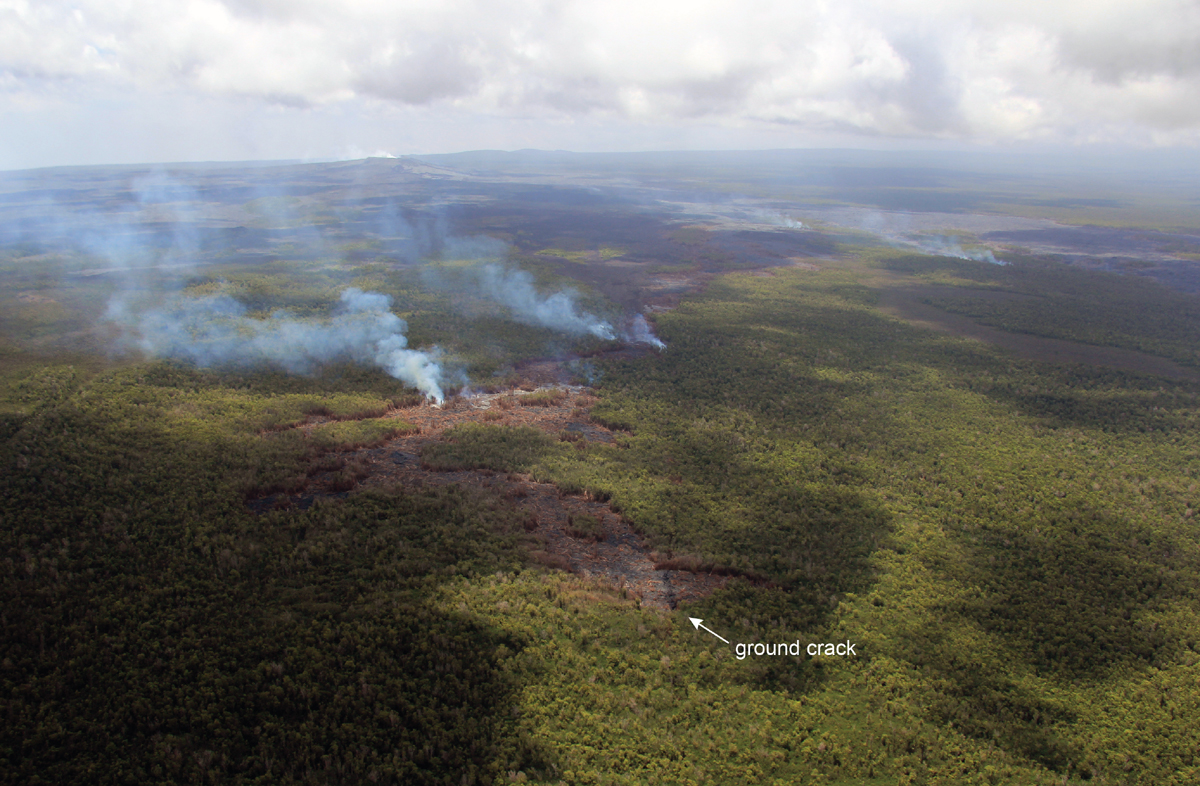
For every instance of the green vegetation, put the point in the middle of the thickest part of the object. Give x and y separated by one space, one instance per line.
155 630
603 253
542 398
354 435
1011 543
1011 546
480 446
585 526
1057 301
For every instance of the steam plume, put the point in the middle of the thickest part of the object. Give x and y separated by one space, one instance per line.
215 330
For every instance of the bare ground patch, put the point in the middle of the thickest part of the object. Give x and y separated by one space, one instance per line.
606 549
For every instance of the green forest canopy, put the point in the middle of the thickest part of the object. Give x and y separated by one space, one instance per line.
1011 544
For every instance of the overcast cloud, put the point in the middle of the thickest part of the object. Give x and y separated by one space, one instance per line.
584 75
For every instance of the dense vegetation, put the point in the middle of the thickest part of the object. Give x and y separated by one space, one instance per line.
156 631
1058 301
1010 544
1013 542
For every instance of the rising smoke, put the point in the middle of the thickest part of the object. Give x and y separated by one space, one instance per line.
897 229
515 290
949 247
775 218
640 333
159 227
216 331
938 245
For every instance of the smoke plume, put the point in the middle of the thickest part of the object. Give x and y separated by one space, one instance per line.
641 333
514 290
775 218
897 229
948 247
215 330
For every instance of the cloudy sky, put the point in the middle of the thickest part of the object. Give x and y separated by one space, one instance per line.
106 81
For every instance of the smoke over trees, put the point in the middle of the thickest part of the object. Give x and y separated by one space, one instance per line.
216 331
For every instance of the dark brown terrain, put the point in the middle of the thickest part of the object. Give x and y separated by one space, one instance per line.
617 557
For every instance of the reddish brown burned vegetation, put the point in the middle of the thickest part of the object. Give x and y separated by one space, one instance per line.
574 532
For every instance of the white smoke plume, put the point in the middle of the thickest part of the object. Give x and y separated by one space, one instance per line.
215 330
514 289
948 247
640 332
778 219
897 229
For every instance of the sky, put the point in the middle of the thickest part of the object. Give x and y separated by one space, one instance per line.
139 81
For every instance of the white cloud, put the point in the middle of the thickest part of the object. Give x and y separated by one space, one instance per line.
993 71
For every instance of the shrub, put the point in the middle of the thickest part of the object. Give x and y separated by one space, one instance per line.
543 398
585 526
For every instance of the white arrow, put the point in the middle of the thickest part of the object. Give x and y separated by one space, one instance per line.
697 622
